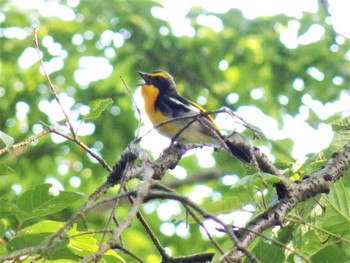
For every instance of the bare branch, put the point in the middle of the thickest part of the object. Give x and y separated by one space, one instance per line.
52 87
24 143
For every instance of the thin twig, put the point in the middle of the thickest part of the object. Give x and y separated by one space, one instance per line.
113 209
85 148
52 87
128 252
212 240
142 191
154 238
194 116
135 104
24 143
300 220
194 216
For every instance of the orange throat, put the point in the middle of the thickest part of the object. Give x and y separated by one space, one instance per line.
150 94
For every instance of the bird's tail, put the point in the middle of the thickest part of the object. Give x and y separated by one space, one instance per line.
240 153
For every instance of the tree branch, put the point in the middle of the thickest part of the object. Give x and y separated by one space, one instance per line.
312 185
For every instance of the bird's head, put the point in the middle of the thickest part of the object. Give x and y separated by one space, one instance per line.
159 79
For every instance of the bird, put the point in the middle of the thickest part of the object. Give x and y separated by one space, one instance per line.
180 119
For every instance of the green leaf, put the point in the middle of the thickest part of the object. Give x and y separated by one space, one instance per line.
84 244
76 245
97 107
342 124
8 140
306 240
285 234
8 209
33 235
314 162
257 181
268 252
330 254
223 206
342 133
336 218
340 139
36 234
2 230
38 202
6 170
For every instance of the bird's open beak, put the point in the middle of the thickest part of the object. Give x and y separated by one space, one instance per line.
145 77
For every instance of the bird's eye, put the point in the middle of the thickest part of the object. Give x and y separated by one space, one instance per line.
158 79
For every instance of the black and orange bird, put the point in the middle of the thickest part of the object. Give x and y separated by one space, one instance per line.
180 119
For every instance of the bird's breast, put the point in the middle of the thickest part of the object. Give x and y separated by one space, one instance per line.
150 95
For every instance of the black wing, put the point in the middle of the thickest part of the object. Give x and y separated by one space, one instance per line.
175 106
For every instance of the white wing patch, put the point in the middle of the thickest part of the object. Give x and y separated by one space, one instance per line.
192 109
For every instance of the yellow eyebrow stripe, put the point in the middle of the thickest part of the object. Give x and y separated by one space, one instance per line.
159 74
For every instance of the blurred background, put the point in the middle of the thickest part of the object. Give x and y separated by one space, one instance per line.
281 65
